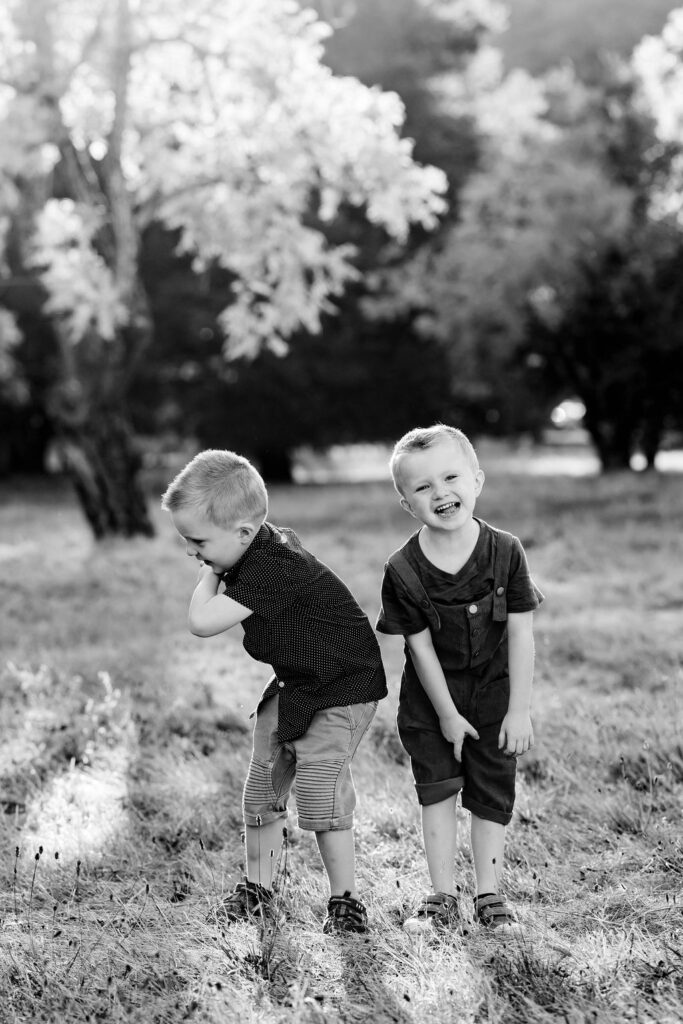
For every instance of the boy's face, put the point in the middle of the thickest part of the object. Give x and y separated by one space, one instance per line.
219 547
439 485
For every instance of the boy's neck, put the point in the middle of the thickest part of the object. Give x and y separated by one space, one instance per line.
449 550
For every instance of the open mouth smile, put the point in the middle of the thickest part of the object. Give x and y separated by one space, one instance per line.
449 508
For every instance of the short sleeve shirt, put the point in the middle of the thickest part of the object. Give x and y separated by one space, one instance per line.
308 626
474 658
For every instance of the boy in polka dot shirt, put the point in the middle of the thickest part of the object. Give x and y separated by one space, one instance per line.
302 620
460 593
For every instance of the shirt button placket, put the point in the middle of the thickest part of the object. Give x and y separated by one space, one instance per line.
473 609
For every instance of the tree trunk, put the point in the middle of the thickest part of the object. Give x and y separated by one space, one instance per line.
275 465
103 463
612 445
651 438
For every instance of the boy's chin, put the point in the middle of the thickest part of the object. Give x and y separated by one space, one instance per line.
217 570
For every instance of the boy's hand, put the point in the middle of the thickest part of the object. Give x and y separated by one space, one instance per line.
454 728
205 572
516 733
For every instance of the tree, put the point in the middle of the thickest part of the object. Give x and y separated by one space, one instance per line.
563 272
419 49
224 125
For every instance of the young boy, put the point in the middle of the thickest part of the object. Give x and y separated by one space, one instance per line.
303 621
460 593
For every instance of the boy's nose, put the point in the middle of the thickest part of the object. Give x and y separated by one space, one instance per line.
190 549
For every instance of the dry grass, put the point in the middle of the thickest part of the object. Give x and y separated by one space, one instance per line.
125 742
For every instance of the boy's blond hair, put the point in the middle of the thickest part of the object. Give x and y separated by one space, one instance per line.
425 437
221 485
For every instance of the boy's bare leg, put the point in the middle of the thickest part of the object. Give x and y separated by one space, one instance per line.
488 845
263 844
440 835
338 856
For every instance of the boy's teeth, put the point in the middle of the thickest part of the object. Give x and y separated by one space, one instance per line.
448 507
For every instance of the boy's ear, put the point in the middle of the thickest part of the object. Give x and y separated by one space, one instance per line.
479 481
247 531
405 505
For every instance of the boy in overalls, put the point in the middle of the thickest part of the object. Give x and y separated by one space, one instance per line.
460 593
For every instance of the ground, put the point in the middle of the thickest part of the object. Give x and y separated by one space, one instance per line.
125 741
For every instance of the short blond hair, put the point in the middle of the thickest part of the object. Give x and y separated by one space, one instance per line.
221 485
419 438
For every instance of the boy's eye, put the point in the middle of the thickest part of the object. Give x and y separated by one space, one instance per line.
422 487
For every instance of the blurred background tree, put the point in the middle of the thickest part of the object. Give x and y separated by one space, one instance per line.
562 274
224 126
209 236
356 380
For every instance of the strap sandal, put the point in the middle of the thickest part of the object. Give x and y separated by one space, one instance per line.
344 914
492 911
247 902
439 909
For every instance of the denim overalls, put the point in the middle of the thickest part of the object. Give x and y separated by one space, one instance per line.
479 686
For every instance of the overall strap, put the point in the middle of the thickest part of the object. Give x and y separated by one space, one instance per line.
503 543
412 584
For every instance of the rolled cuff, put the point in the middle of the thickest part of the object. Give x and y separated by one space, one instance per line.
326 824
487 813
434 792
263 818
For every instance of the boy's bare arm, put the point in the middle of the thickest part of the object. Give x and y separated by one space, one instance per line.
516 733
428 667
210 612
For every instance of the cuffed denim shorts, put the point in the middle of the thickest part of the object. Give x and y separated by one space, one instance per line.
485 775
319 761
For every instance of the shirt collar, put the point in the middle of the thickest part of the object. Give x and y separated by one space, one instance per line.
261 538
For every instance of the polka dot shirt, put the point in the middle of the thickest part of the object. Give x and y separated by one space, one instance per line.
308 626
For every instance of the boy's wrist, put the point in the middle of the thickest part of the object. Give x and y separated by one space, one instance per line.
449 714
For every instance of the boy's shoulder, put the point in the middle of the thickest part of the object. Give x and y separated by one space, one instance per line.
276 540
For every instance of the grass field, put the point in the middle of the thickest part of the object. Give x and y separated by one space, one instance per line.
125 741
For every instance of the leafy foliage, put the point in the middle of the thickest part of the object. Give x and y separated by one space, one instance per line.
570 223
225 125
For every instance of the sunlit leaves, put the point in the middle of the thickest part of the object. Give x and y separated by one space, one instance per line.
658 61
235 134
81 288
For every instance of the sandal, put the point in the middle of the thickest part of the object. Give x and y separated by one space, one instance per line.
344 914
492 911
247 901
437 909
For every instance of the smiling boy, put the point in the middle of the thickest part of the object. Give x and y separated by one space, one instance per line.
460 593
302 620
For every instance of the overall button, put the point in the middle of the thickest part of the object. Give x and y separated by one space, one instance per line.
473 609
280 684
475 654
500 591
